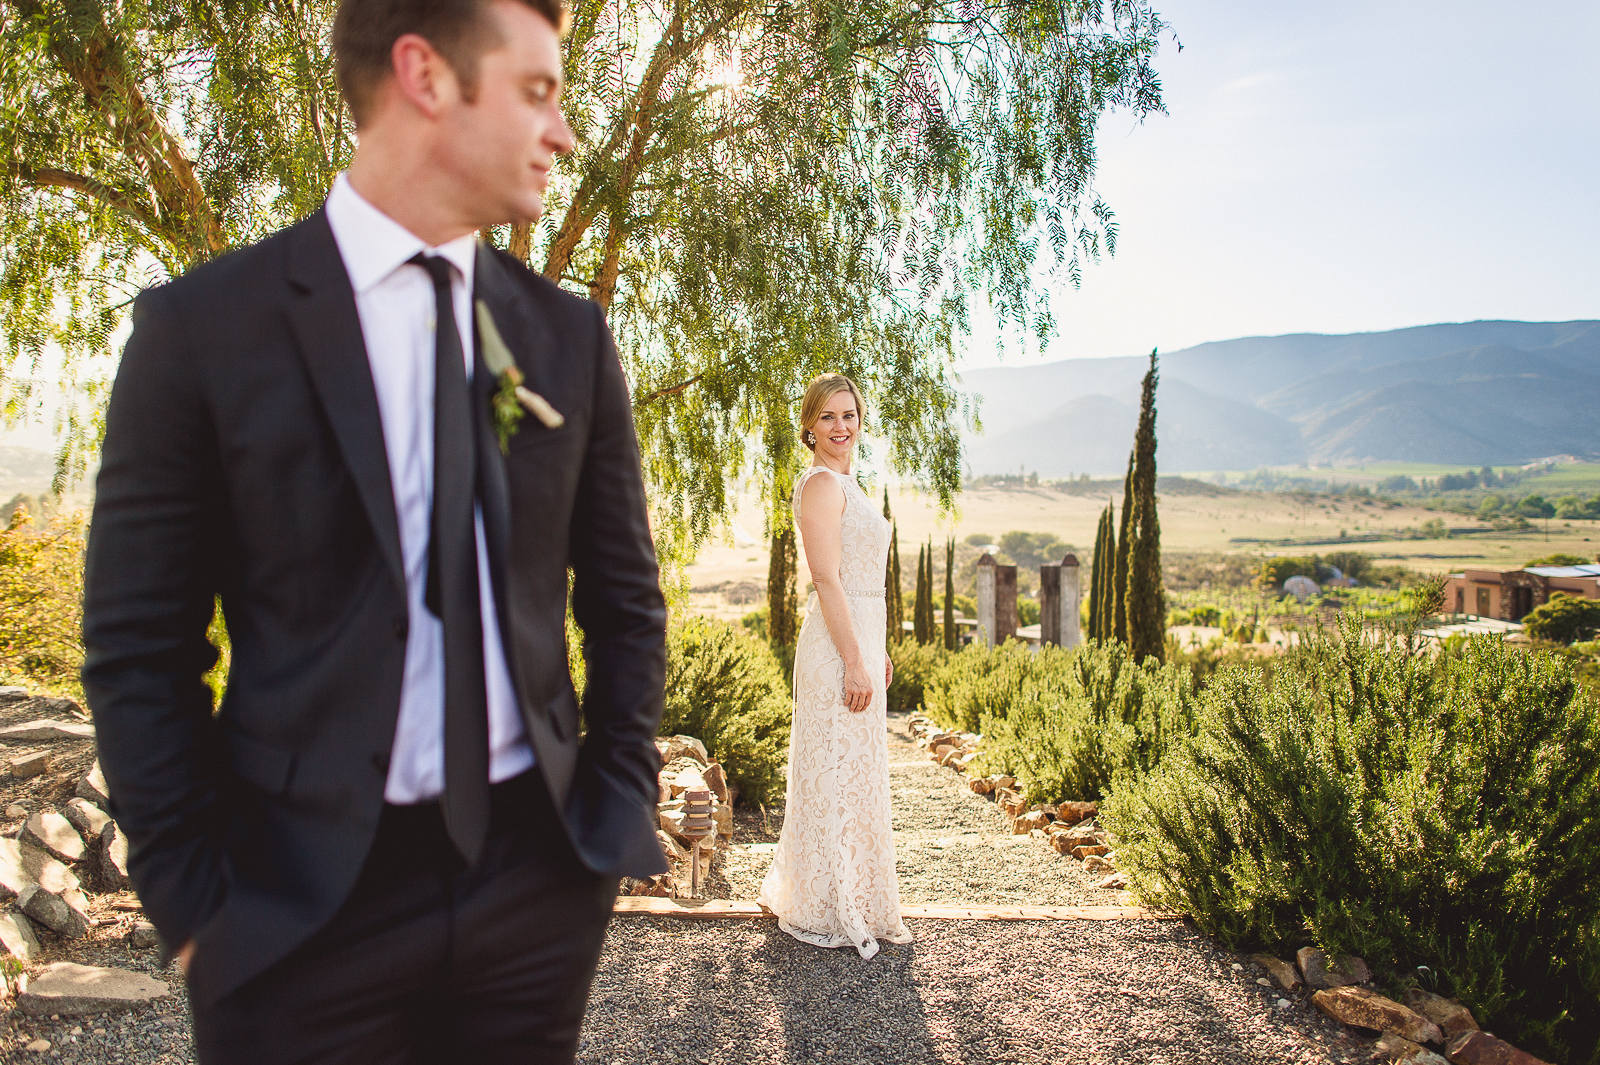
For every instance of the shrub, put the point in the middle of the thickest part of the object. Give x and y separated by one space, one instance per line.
724 687
1565 618
1081 719
41 600
1027 611
1417 809
973 680
1274 571
914 665
1560 558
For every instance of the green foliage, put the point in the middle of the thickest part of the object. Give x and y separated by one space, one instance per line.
1274 571
950 594
974 679
922 608
1535 506
1147 607
1564 618
1352 564
725 688
1557 559
1124 546
1418 809
1065 723
914 665
1031 550
41 601
759 192
1101 579
1028 611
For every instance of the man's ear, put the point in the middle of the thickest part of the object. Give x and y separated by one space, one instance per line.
421 74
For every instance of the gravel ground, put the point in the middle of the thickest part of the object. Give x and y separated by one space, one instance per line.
950 845
733 991
153 1034
1015 992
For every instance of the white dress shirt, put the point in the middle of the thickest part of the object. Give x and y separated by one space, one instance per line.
395 302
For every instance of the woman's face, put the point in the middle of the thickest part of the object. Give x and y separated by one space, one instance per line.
836 428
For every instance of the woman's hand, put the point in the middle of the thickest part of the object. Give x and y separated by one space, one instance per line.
888 672
857 687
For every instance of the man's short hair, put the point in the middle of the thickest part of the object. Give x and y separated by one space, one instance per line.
364 32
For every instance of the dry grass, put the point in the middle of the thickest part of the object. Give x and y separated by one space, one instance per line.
1189 523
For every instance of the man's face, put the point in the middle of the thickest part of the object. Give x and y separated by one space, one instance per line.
499 147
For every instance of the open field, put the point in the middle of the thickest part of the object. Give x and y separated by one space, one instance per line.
1250 523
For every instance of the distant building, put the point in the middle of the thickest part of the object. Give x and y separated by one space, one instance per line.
1511 594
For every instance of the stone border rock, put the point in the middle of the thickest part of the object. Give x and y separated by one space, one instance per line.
686 766
1069 827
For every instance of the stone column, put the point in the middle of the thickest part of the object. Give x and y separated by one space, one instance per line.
1070 601
1050 604
986 599
1005 603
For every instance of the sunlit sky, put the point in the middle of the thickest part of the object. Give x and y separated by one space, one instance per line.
1343 168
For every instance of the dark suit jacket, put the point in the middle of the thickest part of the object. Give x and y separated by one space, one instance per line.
244 459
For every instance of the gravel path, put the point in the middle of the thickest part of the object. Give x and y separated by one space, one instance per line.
976 993
950 845
971 992
729 992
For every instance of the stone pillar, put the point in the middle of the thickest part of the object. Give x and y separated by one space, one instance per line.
1059 598
986 600
1005 603
997 601
1071 601
1050 605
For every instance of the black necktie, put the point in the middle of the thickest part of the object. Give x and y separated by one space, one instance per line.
452 588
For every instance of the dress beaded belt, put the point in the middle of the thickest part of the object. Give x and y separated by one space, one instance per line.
859 593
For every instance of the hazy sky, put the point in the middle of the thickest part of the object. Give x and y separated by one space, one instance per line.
1347 168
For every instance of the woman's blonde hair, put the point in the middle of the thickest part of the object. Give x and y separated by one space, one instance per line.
823 388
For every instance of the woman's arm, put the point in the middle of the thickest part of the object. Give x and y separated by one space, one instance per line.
821 514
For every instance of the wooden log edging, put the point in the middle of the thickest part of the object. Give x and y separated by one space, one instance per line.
740 909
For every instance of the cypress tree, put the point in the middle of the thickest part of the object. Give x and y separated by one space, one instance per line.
950 594
893 606
1147 607
1099 570
783 607
919 615
925 622
1119 584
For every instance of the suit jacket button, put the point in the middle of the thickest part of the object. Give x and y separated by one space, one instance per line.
401 626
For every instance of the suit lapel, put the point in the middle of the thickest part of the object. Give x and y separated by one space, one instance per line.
323 316
527 335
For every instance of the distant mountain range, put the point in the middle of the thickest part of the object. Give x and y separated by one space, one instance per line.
1469 393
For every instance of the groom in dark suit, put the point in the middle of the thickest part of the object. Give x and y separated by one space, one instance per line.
394 841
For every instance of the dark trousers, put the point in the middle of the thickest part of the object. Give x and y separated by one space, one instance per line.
429 961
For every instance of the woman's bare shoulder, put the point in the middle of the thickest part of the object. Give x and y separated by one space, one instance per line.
822 494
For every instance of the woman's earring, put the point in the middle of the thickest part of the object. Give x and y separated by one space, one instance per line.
811 438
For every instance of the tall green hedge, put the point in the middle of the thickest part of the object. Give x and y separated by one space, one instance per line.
1421 809
724 686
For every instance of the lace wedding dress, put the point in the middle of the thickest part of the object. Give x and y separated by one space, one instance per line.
832 880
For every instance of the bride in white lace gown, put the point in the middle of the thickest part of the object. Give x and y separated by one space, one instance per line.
832 882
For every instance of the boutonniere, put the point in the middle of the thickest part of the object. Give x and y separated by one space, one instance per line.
512 398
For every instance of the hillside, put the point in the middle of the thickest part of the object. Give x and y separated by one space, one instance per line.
1497 392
